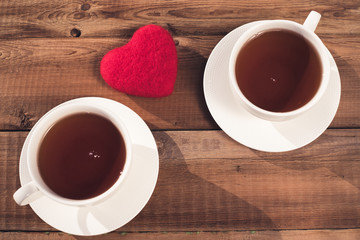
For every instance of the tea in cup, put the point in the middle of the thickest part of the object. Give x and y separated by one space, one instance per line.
279 69
78 154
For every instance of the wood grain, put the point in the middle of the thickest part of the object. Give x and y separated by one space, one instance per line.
41 73
208 182
108 18
38 74
348 234
209 187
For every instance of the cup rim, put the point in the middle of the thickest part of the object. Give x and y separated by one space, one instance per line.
49 119
270 25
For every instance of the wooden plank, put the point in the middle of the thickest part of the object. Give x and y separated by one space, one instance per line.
309 188
42 73
38 74
348 234
108 18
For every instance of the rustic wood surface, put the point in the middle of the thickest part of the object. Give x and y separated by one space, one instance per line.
209 186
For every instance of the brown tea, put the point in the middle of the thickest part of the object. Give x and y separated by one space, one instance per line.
278 70
81 156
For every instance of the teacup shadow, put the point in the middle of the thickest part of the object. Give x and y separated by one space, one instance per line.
83 215
183 201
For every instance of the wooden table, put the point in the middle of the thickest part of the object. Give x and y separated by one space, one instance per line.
209 186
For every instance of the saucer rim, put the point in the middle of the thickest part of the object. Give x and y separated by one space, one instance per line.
218 51
150 184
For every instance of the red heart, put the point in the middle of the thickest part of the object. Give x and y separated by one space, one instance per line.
146 66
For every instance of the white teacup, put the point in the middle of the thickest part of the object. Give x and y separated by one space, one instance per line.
37 186
307 31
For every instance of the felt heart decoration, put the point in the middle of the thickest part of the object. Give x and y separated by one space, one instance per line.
146 66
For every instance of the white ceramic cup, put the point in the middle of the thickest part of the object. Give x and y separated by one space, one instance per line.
307 31
37 187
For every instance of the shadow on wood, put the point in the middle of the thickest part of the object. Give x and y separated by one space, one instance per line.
183 201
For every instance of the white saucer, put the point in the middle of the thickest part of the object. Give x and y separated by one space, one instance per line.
125 204
254 132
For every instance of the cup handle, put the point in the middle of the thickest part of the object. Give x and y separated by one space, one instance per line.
26 194
312 21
